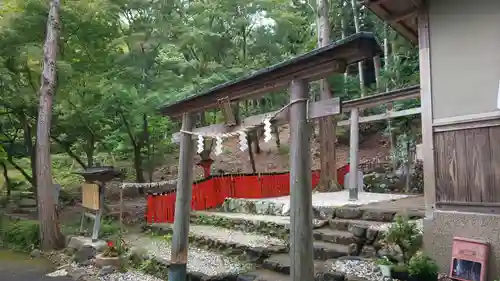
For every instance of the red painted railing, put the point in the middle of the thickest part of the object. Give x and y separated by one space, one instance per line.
211 192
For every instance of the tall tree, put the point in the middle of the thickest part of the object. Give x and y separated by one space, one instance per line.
50 233
361 74
327 126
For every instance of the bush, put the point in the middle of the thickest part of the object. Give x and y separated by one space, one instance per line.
423 267
20 235
406 235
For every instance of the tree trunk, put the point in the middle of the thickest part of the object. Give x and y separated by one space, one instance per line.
276 131
327 125
139 173
255 140
90 150
343 35
50 233
8 184
30 147
251 138
387 63
360 64
387 59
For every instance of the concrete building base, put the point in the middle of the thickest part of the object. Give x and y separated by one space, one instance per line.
440 230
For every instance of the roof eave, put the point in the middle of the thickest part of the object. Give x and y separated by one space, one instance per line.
378 7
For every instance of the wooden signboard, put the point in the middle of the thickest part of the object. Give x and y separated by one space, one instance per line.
90 196
469 260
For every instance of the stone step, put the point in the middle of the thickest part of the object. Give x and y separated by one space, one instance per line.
348 225
335 236
281 263
276 226
324 250
367 213
263 275
255 246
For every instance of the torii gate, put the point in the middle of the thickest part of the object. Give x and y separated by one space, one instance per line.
294 74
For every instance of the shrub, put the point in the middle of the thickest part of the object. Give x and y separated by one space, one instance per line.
20 235
406 235
423 267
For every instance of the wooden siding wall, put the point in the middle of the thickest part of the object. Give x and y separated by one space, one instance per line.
468 165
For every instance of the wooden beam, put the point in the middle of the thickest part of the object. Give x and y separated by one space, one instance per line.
310 72
385 12
301 235
383 116
403 16
382 98
180 239
316 110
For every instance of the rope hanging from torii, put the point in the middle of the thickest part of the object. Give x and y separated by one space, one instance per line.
242 133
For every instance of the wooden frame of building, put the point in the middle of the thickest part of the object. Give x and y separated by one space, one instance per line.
294 74
459 80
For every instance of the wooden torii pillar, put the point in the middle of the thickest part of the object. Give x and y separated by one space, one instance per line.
180 239
301 216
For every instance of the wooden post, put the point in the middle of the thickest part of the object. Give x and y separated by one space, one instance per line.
353 155
427 114
377 65
301 238
178 259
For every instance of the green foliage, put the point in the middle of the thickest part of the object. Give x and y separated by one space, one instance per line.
19 235
120 60
116 247
284 149
152 267
384 261
423 267
406 235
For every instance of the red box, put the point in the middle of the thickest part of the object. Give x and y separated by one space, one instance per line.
469 259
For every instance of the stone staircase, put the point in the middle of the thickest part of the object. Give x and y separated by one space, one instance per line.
346 239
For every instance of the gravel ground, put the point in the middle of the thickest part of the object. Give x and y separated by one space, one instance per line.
235 236
199 260
358 268
129 276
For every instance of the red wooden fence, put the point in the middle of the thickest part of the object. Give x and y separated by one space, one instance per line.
211 192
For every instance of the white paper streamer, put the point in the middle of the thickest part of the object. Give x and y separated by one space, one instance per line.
218 146
267 130
201 144
243 141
